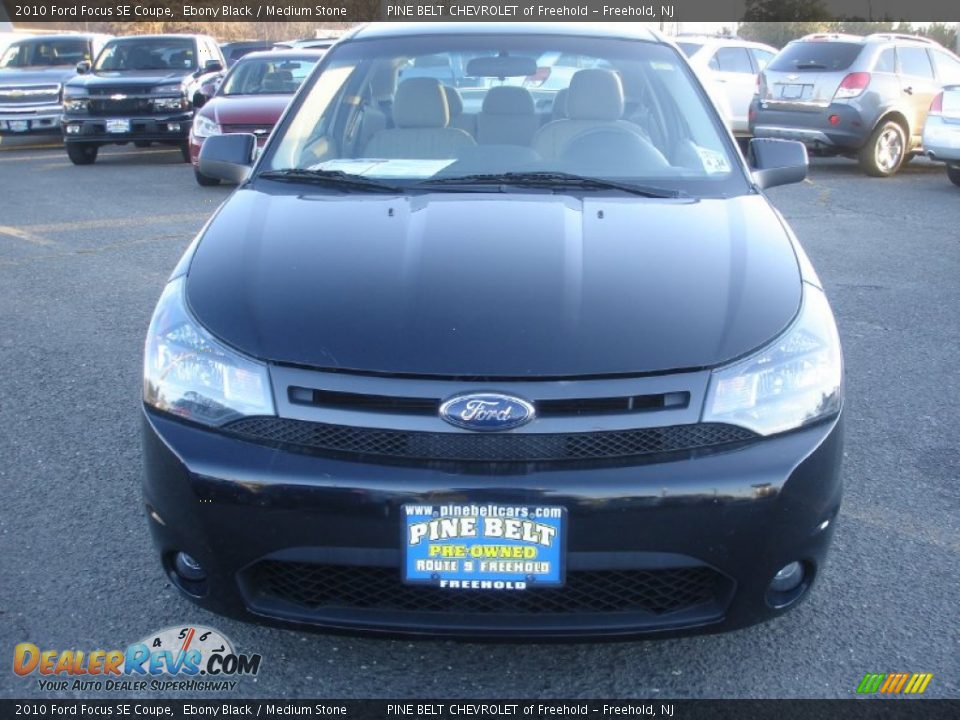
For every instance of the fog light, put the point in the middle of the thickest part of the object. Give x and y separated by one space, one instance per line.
188 568
173 127
789 577
73 129
834 119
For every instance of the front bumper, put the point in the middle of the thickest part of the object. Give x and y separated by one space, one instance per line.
153 128
812 127
24 120
941 138
260 518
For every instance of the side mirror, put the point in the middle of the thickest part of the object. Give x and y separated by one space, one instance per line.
199 100
83 67
212 66
777 162
228 157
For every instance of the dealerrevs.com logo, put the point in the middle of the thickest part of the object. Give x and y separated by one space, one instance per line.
188 658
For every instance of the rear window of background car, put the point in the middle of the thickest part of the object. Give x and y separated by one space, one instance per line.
948 67
816 56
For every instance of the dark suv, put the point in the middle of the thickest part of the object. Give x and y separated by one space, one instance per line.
864 97
140 89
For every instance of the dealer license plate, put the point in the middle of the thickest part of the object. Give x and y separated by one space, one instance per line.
479 546
18 125
791 92
118 126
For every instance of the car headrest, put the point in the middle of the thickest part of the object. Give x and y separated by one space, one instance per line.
421 103
454 103
595 94
559 109
507 100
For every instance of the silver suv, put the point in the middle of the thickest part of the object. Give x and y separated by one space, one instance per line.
863 97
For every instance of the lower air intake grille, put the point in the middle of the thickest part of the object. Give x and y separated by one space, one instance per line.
500 447
327 587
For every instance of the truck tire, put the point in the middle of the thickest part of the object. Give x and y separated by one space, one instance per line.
185 151
953 172
82 153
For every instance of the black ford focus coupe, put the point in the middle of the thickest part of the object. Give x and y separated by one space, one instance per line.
488 347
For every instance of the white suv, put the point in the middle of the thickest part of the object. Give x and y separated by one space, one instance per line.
729 68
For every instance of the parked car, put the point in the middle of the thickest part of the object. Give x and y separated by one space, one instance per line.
251 99
730 68
141 89
33 70
423 382
862 97
941 133
233 51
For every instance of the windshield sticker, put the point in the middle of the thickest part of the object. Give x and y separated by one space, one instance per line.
714 163
398 168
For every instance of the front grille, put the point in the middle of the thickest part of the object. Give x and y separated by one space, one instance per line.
335 587
30 95
497 447
125 106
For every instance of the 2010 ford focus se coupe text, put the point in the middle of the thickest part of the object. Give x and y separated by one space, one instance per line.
468 355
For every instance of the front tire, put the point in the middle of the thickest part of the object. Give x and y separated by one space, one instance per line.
953 172
205 180
82 153
885 151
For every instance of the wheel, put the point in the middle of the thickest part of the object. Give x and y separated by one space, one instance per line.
82 153
185 152
883 154
953 172
205 180
141 143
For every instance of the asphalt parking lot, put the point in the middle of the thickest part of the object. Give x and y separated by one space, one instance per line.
84 253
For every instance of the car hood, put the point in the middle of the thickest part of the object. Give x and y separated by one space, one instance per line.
246 109
494 285
36 76
137 78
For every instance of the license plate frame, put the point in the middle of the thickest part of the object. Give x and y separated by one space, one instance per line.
791 91
117 126
513 547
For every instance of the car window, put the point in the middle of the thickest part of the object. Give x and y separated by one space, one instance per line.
762 57
380 109
690 48
886 61
948 67
265 76
914 61
816 56
45 53
734 59
148 54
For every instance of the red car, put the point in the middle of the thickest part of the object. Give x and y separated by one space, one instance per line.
251 99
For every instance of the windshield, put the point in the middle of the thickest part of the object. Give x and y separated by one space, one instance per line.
148 54
45 53
813 55
444 107
265 76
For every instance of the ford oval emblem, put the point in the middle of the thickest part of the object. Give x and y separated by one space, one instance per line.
487 411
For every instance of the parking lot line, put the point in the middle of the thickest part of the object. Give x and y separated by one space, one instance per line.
21 234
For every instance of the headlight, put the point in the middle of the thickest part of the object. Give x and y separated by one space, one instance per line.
796 380
187 372
173 103
76 104
205 127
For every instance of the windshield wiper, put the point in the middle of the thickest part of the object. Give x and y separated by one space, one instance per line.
333 178
552 179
